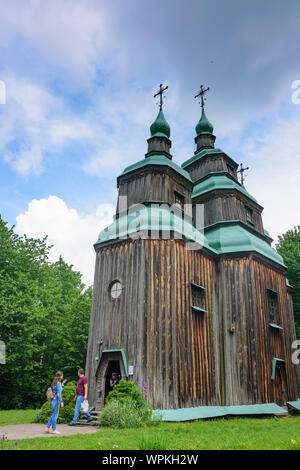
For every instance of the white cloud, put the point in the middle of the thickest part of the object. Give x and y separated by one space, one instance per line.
70 35
39 122
71 233
275 174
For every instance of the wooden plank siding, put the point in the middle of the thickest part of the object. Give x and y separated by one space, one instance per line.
228 205
274 343
190 358
153 184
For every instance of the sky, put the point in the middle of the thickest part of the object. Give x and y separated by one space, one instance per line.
77 79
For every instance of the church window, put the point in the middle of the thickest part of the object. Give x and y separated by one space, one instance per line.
115 289
179 199
198 295
249 215
272 304
230 169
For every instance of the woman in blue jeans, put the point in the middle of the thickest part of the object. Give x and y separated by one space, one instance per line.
56 401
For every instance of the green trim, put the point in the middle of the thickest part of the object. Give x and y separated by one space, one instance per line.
219 181
207 152
273 325
147 217
113 282
198 309
198 286
233 236
274 362
157 159
202 412
112 351
288 284
295 405
226 237
203 153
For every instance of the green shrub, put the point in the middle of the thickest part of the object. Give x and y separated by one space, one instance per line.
65 414
125 413
126 389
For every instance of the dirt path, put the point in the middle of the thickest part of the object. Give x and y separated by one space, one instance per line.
25 431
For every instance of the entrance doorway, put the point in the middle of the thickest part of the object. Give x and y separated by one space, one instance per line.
112 367
110 361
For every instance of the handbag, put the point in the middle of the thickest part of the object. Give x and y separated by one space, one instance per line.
84 408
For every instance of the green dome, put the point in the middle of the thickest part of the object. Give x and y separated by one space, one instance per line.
160 127
204 126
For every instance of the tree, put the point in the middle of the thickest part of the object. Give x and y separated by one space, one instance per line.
289 248
44 319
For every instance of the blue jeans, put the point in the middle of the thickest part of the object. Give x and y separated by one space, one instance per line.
79 400
55 410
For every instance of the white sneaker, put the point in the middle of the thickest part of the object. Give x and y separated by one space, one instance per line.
56 432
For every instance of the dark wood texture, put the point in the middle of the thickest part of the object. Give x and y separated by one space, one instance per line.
191 358
153 184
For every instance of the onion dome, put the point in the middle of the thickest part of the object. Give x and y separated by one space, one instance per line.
204 126
160 127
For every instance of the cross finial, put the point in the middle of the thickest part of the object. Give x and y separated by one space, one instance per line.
160 93
201 94
241 171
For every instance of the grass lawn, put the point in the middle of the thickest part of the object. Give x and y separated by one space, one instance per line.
272 433
8 417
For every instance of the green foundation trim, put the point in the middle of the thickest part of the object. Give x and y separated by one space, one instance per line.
202 412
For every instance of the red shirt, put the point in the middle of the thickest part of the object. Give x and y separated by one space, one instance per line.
80 386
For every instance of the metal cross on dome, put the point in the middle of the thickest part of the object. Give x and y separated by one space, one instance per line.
201 94
241 171
160 93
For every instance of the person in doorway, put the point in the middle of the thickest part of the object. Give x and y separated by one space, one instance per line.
56 401
114 380
81 395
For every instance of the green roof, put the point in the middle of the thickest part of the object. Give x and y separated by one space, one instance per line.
219 180
288 283
202 154
204 126
234 237
158 160
202 412
155 217
226 237
160 127
222 238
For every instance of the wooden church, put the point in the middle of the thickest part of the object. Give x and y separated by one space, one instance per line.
203 315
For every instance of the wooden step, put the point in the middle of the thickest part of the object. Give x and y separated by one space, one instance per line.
86 423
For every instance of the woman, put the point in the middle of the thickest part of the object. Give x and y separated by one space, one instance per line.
114 379
56 401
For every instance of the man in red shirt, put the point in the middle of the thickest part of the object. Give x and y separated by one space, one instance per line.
81 395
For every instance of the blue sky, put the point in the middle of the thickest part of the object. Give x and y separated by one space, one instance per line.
80 77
